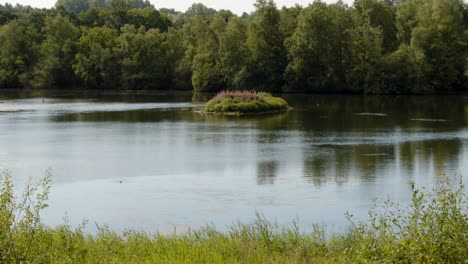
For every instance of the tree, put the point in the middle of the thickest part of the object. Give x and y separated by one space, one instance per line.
199 9
406 19
146 62
440 35
149 18
120 10
225 14
6 16
319 49
380 14
18 53
187 39
267 52
75 6
57 54
125 5
97 65
98 18
36 20
206 74
288 20
234 54
99 4
366 52
181 54
402 72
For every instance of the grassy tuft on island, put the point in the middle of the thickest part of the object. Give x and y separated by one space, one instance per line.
433 228
245 102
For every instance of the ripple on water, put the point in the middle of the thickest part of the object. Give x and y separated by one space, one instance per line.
60 107
428 120
371 114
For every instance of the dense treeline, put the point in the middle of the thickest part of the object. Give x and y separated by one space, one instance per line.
409 46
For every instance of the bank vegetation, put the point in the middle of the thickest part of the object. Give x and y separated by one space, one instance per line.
432 228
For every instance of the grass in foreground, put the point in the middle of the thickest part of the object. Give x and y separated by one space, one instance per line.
433 229
245 102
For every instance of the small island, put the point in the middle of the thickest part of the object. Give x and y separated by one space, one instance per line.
245 102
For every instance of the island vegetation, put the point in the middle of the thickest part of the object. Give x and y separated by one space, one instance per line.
245 102
372 46
431 229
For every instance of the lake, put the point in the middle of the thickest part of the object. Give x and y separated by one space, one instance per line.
146 160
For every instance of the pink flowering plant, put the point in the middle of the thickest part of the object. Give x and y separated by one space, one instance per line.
245 102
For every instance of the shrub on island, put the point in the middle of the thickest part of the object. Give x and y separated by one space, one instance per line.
244 102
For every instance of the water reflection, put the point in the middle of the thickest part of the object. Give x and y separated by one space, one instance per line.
369 162
339 112
267 172
318 170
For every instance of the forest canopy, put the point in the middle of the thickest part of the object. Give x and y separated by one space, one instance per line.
372 47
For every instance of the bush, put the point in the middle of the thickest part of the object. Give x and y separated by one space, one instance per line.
245 102
432 229
20 224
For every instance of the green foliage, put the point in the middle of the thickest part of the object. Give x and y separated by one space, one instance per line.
124 12
57 54
245 102
18 8
381 15
145 62
406 19
20 225
397 47
402 72
265 44
98 18
199 9
366 50
126 5
319 50
148 18
288 20
234 54
206 74
439 35
18 53
432 228
97 64
181 52
75 6
6 16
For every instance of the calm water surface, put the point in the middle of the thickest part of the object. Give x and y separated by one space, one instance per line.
147 161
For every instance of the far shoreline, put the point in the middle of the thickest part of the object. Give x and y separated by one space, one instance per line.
203 112
65 90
